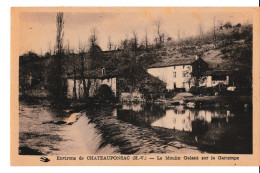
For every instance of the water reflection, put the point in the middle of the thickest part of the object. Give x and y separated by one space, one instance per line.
180 120
139 114
178 117
223 130
134 107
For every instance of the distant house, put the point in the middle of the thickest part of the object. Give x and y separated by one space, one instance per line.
95 79
217 77
126 80
176 72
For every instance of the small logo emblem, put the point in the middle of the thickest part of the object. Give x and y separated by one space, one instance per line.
44 159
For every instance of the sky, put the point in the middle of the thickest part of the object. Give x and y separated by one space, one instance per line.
38 29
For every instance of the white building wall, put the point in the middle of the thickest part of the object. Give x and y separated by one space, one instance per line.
208 81
166 74
113 85
95 84
70 84
212 83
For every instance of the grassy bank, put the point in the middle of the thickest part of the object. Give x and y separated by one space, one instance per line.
215 102
232 102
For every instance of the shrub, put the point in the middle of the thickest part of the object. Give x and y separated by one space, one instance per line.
202 90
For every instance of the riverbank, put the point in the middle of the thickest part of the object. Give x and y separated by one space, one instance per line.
216 102
200 102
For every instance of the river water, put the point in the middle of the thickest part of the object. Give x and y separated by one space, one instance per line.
133 129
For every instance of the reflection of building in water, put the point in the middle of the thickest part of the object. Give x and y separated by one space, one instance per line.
133 107
181 119
176 119
204 115
179 109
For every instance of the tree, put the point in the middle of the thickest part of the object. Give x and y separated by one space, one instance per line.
188 76
104 93
94 50
227 25
82 53
69 55
201 32
93 42
135 42
200 37
214 32
60 32
179 35
109 44
160 35
57 85
199 67
146 39
49 48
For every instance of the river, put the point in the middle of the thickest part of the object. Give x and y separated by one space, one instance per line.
133 129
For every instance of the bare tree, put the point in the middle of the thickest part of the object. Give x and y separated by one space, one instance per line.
82 52
57 82
69 56
146 39
135 41
60 32
67 50
214 32
158 31
93 40
49 48
59 45
54 50
74 81
109 44
179 35
201 32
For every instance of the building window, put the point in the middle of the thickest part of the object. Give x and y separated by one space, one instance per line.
183 66
174 74
184 74
174 85
174 67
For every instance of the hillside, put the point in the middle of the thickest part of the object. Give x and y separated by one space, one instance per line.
230 48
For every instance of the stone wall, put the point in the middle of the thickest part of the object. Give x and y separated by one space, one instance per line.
95 84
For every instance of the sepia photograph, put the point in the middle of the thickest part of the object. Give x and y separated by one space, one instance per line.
134 81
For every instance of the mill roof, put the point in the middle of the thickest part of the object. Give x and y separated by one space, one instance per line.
174 61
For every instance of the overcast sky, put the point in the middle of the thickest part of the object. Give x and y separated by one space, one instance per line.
38 29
